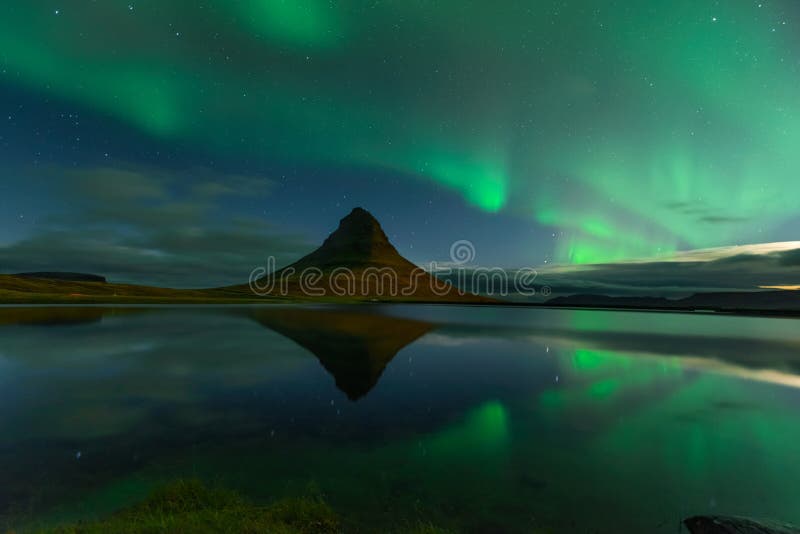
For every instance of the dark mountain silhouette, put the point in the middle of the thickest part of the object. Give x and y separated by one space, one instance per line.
353 347
359 241
358 262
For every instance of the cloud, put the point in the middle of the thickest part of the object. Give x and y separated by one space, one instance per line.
790 258
722 219
704 213
233 185
149 226
726 268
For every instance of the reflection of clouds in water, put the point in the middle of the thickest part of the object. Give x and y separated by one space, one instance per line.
118 374
105 379
75 345
730 345
765 361
674 324
771 376
444 340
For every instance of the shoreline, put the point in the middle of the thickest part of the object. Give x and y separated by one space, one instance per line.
49 300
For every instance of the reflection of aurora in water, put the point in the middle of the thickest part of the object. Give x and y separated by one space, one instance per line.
688 423
484 432
479 427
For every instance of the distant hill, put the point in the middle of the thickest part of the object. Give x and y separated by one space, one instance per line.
64 276
603 301
34 290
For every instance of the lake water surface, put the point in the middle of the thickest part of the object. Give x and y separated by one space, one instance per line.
479 419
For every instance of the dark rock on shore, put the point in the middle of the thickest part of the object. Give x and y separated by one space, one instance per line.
735 525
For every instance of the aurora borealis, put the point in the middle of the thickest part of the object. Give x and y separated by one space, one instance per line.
583 132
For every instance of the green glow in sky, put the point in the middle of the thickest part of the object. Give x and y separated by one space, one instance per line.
299 22
630 129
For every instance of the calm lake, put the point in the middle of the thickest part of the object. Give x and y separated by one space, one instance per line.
479 419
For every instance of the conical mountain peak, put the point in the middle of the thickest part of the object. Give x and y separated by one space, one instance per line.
359 225
360 216
359 241
357 261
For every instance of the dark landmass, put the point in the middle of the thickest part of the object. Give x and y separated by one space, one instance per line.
603 301
735 525
358 259
359 241
64 276
27 290
779 301
754 300
357 263
374 271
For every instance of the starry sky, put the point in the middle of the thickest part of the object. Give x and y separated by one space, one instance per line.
181 142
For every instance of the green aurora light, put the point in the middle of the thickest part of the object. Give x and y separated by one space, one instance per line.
631 129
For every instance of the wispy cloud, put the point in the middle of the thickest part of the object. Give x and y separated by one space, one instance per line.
149 226
746 267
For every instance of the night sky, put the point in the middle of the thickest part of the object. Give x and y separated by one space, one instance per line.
181 142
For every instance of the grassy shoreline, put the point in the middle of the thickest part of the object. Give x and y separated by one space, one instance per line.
22 290
19 291
190 506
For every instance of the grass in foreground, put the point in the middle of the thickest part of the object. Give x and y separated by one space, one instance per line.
188 506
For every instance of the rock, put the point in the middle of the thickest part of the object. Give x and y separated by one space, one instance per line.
735 525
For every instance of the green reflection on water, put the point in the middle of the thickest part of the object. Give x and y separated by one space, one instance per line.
587 376
671 438
483 431
592 360
481 434
604 388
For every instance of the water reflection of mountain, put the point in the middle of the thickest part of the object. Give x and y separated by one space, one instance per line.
354 347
